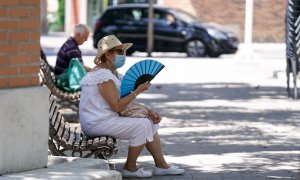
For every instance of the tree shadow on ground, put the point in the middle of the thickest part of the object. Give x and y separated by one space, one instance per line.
248 132
220 91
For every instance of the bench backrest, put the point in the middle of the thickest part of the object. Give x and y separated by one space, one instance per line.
48 78
71 137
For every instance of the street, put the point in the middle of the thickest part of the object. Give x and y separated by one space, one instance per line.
223 118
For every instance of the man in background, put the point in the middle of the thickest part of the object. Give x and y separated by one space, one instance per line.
70 49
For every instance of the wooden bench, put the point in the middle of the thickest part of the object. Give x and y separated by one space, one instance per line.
67 139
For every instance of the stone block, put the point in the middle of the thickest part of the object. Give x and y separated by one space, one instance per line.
66 173
76 162
24 129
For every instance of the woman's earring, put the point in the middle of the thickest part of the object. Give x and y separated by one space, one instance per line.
97 61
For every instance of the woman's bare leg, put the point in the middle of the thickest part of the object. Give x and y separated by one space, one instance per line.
133 154
155 150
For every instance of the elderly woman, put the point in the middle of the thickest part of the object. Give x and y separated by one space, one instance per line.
100 104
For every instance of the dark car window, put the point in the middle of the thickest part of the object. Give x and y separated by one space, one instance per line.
106 18
163 18
123 16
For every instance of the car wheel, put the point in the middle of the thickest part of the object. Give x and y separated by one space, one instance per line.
195 48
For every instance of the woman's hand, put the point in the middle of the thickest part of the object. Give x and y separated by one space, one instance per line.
154 116
142 87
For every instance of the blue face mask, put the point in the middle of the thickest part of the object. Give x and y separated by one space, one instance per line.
119 61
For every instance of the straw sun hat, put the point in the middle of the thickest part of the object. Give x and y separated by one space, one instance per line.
109 42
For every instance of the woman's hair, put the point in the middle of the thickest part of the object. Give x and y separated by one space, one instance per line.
98 60
80 29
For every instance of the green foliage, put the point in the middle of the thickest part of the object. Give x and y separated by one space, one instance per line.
61 12
58 24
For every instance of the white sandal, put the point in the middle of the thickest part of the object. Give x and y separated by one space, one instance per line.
139 173
172 170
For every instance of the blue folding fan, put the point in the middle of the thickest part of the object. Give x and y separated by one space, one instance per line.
139 73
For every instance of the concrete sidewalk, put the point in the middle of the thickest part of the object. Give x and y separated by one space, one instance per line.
224 118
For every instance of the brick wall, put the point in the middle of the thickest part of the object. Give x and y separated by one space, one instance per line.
19 43
268 16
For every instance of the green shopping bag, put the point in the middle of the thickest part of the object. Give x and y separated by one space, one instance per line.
70 79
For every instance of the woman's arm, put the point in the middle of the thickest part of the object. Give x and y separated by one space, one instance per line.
110 93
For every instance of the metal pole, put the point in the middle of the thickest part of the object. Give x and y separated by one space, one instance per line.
248 28
150 29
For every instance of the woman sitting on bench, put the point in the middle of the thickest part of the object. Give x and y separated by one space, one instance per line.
100 106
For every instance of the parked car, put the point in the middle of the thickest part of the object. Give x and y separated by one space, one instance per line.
174 31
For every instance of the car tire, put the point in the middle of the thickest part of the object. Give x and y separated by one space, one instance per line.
195 48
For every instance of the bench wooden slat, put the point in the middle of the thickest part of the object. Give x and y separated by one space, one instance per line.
83 145
60 131
57 121
103 140
65 136
54 118
52 130
110 141
96 142
77 138
71 138
52 109
90 143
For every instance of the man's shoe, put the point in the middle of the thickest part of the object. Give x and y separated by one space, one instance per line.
172 170
139 173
